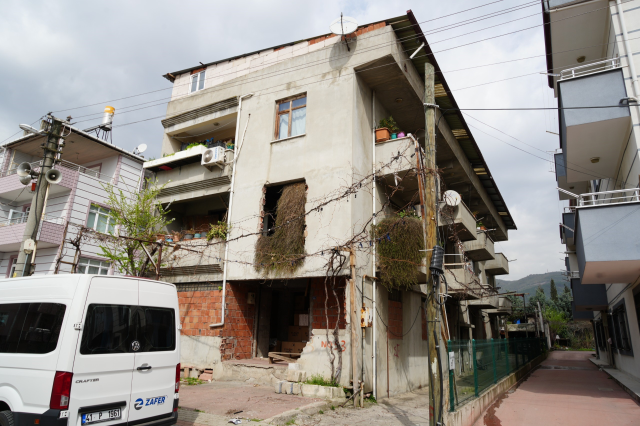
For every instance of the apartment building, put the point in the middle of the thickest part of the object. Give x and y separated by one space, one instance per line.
78 200
588 45
243 132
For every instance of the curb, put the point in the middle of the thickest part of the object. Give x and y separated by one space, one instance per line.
313 408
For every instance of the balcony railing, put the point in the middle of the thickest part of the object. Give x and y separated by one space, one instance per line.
594 67
35 166
618 196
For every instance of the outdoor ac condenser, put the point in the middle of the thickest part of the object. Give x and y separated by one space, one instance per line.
213 157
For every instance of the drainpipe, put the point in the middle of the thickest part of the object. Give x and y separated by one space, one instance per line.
236 151
627 48
373 272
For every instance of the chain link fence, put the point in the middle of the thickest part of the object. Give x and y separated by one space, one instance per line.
475 365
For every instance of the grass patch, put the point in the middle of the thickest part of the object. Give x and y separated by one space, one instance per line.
291 422
318 379
282 253
333 408
192 381
371 399
198 411
256 420
320 412
400 239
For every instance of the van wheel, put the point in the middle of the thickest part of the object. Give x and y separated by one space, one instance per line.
6 418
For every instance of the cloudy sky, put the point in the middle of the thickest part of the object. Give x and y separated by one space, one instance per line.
75 57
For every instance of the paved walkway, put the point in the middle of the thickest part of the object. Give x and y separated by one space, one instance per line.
566 390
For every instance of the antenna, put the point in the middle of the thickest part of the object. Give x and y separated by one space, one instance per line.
343 26
140 149
451 198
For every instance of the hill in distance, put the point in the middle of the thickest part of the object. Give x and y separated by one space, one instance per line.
530 283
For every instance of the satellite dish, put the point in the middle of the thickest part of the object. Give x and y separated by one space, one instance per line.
140 148
451 198
343 25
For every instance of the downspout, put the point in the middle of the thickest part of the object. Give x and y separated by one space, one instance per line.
233 181
373 221
625 39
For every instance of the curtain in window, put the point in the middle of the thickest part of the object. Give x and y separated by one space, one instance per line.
298 120
283 126
194 82
201 81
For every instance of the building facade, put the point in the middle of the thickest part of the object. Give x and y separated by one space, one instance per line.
588 45
78 200
300 119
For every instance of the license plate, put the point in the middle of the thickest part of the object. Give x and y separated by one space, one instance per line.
101 416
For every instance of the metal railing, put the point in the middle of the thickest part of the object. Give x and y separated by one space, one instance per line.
23 218
618 196
479 364
607 64
35 166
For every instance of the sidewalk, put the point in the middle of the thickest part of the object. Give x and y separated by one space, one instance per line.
566 390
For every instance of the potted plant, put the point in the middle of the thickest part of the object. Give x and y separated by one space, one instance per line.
188 234
197 235
387 129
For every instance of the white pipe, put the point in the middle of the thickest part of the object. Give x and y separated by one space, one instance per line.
236 151
375 365
627 48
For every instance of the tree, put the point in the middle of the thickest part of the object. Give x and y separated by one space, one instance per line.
139 217
566 290
553 291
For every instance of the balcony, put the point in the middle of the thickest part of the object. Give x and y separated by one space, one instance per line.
592 139
186 179
561 179
462 283
196 260
592 297
12 189
497 266
481 249
486 302
459 220
607 235
504 306
567 228
12 231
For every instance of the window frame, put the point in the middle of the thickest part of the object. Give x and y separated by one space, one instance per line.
12 264
289 111
620 324
200 77
108 267
94 225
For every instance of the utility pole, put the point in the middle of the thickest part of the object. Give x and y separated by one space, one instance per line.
51 150
435 375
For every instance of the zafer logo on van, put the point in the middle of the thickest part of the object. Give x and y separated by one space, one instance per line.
135 346
156 400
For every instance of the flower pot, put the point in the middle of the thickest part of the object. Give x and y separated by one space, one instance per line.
382 134
160 237
188 236
169 240
394 136
401 135
197 235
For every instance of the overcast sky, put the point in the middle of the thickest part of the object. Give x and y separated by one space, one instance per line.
61 55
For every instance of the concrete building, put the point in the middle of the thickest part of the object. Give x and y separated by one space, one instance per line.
588 45
305 112
79 199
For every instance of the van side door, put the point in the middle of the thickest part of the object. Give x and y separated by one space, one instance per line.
104 361
154 376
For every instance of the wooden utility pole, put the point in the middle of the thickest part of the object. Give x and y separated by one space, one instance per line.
354 324
435 375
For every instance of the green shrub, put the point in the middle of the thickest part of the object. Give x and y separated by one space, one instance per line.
218 231
318 379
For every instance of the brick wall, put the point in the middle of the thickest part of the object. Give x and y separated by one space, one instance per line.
200 308
395 320
319 320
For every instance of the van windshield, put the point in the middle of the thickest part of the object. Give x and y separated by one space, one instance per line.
127 329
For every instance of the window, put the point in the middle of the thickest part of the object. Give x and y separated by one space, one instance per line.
197 81
292 115
113 328
12 266
621 329
99 219
92 266
30 328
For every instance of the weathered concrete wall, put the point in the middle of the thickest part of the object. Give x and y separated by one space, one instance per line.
200 351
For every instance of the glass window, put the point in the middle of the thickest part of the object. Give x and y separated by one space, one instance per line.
30 328
107 330
113 328
292 116
157 330
197 81
92 266
99 219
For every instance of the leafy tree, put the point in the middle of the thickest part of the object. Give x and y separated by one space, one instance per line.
553 291
137 217
566 290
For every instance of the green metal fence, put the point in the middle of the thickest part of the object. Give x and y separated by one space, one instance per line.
479 364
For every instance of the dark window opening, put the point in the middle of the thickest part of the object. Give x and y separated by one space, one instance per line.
621 327
30 328
271 197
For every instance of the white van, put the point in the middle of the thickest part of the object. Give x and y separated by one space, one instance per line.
82 349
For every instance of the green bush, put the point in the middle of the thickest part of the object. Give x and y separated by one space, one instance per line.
318 379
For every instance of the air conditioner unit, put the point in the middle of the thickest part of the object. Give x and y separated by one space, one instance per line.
213 157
